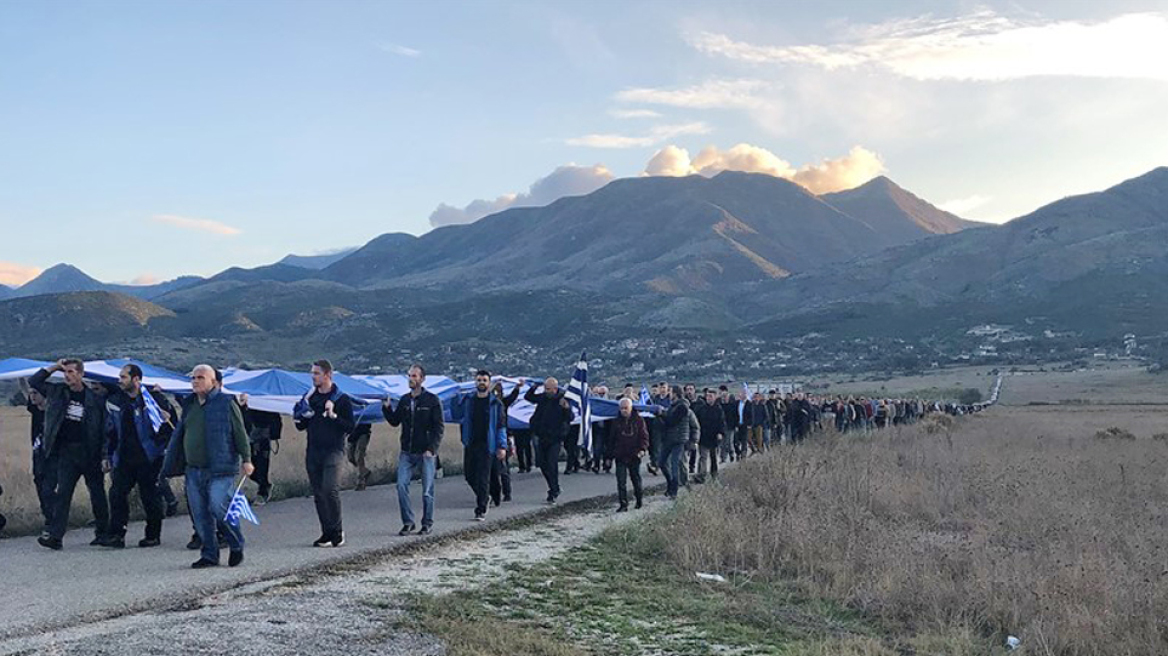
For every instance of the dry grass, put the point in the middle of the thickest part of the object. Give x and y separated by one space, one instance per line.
1014 523
19 502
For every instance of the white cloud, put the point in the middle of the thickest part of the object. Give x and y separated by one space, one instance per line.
847 172
198 225
15 275
656 135
711 94
145 279
397 49
568 180
633 113
981 46
960 206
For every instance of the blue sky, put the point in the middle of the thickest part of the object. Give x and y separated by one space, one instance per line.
145 140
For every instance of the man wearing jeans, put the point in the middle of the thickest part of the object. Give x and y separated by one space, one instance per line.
327 415
210 445
419 414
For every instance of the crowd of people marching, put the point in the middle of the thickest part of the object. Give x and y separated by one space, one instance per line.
141 439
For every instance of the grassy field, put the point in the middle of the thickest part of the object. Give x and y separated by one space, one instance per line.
939 538
19 502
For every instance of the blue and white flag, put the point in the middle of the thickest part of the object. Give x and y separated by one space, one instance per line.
240 508
579 398
646 398
153 412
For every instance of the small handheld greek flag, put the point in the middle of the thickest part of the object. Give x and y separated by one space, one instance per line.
646 399
240 508
153 412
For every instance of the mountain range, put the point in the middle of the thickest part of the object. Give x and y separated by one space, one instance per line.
733 254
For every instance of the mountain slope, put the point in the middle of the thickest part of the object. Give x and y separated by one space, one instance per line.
1042 263
666 235
71 318
315 262
896 213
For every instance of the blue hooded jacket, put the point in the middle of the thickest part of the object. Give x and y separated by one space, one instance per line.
461 409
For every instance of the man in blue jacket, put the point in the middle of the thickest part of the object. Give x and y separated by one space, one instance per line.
483 419
135 450
210 446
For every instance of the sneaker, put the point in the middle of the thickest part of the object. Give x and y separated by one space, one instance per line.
624 507
639 504
479 517
98 541
426 530
235 559
323 541
496 502
407 529
506 498
338 540
146 543
195 542
114 542
50 543
203 563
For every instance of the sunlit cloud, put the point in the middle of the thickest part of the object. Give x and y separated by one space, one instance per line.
657 134
633 113
567 180
962 206
15 275
981 46
711 94
847 172
197 225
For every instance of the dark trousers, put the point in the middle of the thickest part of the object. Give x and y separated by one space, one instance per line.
693 461
524 450
44 477
548 457
625 470
655 431
740 440
476 468
124 478
572 450
261 457
324 476
500 479
73 464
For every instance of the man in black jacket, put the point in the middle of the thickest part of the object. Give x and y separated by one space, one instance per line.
419 414
713 430
44 468
327 415
135 449
550 423
730 414
74 436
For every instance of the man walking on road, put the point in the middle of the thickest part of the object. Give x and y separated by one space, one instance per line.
74 438
210 445
628 444
483 421
712 421
419 414
327 415
135 451
550 423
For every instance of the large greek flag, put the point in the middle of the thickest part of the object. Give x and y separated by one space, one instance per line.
578 397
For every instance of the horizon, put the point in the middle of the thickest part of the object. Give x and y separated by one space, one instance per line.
239 131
